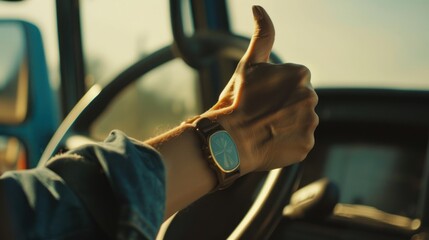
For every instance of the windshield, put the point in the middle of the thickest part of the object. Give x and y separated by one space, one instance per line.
361 43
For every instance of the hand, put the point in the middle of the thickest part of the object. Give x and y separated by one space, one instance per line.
267 108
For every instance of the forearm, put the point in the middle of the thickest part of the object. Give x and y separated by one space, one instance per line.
188 172
188 176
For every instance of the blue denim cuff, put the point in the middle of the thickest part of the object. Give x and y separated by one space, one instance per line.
137 177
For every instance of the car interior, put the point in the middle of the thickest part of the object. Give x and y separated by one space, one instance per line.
367 176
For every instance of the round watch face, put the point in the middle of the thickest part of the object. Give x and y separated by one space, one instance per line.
224 151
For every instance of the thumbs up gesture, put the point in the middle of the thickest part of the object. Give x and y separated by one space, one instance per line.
268 109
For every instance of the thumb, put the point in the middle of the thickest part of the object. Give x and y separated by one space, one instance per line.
263 37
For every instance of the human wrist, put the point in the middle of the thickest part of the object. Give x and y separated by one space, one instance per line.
230 121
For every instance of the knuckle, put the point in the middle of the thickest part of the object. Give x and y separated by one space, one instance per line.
304 154
316 121
302 157
314 96
300 69
307 145
311 101
312 125
308 139
305 71
309 98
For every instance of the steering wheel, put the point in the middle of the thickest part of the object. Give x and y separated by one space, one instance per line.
252 207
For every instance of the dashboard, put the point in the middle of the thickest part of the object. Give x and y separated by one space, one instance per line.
373 145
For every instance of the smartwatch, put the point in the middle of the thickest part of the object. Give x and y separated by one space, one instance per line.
220 150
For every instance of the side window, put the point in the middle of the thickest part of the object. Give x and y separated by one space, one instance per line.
153 104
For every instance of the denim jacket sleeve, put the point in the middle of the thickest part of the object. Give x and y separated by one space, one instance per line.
136 176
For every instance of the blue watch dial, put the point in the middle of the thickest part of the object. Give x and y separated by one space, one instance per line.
224 151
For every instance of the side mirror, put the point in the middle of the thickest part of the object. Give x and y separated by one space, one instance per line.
13 74
28 110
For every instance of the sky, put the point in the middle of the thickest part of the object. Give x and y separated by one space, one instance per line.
360 43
